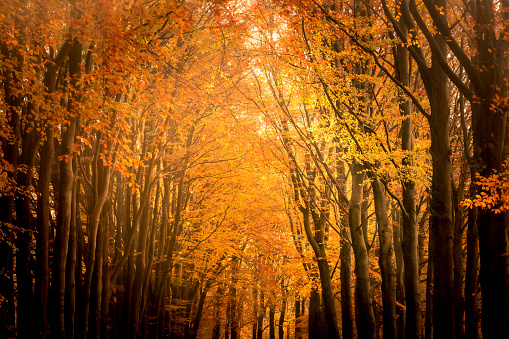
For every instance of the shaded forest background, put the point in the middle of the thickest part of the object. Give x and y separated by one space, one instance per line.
254 169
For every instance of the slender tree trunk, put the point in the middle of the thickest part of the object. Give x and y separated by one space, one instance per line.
347 320
282 320
97 284
255 313
64 215
259 333
26 224
24 278
92 241
491 148
65 194
471 282
315 330
458 258
106 276
43 226
140 272
272 324
400 287
428 325
297 330
409 241
199 311
9 147
70 267
385 261
364 313
442 228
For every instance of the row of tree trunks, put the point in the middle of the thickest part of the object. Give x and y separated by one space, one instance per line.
13 100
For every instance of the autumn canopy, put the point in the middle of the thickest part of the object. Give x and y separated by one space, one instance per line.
254 169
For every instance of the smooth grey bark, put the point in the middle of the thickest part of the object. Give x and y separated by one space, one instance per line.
385 259
364 313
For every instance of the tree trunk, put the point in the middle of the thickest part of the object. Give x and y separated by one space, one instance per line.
103 189
282 320
259 333
364 313
70 267
24 278
428 325
12 98
457 193
409 241
400 287
25 222
490 152
347 320
385 260
490 125
272 324
97 284
315 330
43 226
471 303
441 200
65 186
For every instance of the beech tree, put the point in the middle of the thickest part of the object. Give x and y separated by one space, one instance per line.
196 169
